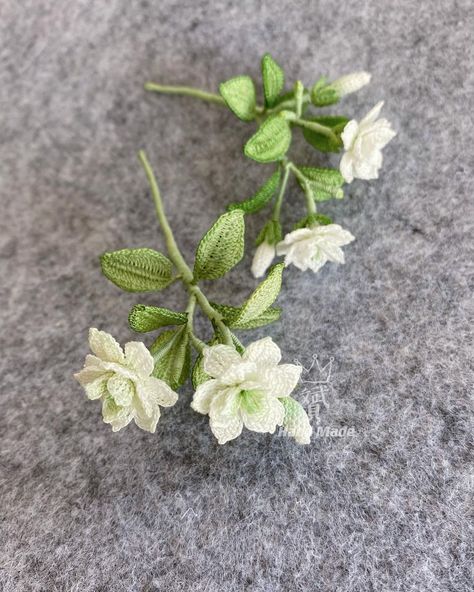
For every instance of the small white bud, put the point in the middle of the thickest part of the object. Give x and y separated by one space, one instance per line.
264 255
350 83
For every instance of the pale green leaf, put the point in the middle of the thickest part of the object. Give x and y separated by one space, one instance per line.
323 184
273 79
221 247
261 197
271 141
137 270
239 95
172 354
144 318
263 297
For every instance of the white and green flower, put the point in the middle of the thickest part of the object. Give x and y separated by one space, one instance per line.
122 381
311 248
248 390
363 142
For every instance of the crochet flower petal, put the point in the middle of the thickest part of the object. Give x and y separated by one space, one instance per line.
203 396
158 391
264 352
345 167
226 427
349 134
139 358
261 412
96 388
371 115
218 358
282 380
264 255
105 347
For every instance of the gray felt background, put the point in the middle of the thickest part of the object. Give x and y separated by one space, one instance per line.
85 510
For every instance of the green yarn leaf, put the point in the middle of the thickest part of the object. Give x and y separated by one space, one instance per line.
323 94
198 375
172 354
324 143
273 79
262 297
143 318
239 95
271 141
137 270
263 195
323 184
312 219
221 247
231 314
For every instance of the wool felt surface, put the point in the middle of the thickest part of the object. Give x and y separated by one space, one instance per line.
386 509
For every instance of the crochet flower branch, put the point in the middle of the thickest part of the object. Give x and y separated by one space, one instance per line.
281 112
235 386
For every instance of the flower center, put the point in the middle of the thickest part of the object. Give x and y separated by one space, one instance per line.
250 401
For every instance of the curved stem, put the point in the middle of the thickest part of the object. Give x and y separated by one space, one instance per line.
185 91
186 275
316 127
279 200
310 205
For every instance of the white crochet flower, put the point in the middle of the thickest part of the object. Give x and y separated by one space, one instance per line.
363 143
245 390
264 255
350 83
122 381
311 248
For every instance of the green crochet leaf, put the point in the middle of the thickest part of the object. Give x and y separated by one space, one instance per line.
271 232
239 95
263 196
143 318
323 94
324 143
198 375
137 270
230 313
262 298
221 247
273 79
172 354
312 219
271 141
323 184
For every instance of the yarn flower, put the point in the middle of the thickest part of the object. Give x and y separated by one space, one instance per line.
122 381
363 143
311 248
262 259
250 390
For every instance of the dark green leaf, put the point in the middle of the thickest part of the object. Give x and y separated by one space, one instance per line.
137 270
263 196
144 318
313 219
239 94
221 247
324 143
198 375
172 354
